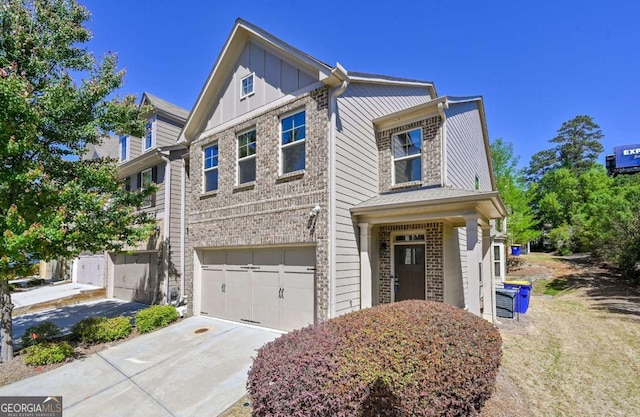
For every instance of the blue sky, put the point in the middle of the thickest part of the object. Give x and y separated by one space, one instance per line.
537 64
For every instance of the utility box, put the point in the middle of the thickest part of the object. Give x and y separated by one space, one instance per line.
506 302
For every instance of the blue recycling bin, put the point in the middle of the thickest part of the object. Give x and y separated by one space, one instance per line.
524 293
515 250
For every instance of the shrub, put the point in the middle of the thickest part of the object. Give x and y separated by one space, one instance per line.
154 317
40 333
101 329
46 353
413 358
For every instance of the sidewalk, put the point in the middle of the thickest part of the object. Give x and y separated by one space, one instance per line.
54 296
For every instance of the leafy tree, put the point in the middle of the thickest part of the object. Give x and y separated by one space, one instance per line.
51 203
521 224
577 148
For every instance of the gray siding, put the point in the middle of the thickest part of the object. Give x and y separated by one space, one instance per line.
453 284
465 152
357 172
158 207
174 225
274 78
167 132
464 269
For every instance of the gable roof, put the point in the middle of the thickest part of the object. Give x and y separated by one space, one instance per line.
109 147
163 106
240 35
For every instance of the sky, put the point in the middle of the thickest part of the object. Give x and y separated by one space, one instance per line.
536 64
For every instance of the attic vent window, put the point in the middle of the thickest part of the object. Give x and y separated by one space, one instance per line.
246 86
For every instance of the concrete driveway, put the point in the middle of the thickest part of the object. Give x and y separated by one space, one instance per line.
197 367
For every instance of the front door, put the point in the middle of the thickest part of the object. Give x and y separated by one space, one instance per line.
410 272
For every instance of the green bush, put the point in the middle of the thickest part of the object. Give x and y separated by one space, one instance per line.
412 358
154 317
101 329
40 333
46 353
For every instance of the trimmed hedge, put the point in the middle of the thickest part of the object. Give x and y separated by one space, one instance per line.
46 353
412 358
40 333
101 329
154 317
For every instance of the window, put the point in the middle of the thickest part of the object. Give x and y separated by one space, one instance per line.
124 148
149 140
407 159
497 258
211 168
246 86
247 157
292 142
146 178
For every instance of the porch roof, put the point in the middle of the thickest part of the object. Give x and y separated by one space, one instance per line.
430 202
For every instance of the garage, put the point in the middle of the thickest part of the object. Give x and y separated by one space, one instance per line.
136 277
270 287
89 269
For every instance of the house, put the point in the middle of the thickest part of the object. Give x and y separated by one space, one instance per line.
315 191
151 272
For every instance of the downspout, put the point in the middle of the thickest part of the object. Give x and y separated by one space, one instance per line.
183 186
167 221
341 74
443 151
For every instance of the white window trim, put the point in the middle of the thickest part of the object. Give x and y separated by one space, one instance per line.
297 142
127 150
150 171
253 90
153 136
205 170
403 158
246 158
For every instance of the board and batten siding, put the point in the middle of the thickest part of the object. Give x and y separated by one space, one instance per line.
357 172
465 153
274 78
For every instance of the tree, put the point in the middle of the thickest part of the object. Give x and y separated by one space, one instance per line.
521 227
577 148
51 203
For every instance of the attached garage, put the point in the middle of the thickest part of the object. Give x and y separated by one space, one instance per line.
271 287
89 269
136 277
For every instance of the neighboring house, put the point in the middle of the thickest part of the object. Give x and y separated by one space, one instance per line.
315 191
151 272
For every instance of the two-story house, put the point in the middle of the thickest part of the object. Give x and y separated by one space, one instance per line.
315 191
151 272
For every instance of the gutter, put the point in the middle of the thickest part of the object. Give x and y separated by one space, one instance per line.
341 74
167 220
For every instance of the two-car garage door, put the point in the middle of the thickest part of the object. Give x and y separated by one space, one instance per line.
271 287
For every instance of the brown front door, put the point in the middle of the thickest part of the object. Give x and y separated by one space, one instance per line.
409 271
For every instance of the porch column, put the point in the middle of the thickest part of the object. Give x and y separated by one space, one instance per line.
473 264
488 287
365 265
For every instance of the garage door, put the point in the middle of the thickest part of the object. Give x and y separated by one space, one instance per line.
272 287
90 270
135 277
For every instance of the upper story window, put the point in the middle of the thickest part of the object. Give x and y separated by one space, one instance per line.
146 178
124 148
210 182
407 161
247 86
292 142
247 157
149 140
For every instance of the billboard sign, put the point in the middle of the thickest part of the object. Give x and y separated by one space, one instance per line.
627 156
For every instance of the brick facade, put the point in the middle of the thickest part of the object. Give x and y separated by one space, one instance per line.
434 259
273 210
431 154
